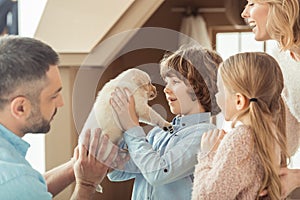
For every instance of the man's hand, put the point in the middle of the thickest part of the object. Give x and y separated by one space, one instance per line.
95 155
290 180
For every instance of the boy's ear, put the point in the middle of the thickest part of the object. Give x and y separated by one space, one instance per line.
20 107
241 101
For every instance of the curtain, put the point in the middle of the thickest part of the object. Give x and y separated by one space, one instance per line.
11 23
194 27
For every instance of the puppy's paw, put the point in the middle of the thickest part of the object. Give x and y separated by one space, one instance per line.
168 127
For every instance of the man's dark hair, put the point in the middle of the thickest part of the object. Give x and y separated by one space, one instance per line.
23 62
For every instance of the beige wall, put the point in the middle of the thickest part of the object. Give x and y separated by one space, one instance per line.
62 138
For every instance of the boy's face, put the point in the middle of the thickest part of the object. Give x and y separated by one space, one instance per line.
179 100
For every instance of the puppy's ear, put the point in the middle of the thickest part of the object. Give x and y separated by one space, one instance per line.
140 79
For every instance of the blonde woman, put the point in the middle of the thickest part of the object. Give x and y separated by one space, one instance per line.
243 162
279 20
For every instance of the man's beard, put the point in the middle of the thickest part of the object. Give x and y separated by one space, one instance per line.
37 123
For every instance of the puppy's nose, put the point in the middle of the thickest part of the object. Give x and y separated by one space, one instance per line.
153 92
152 95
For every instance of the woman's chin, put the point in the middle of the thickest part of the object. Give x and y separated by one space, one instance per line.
261 36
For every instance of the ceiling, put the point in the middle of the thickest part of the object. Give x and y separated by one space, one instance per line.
80 31
219 13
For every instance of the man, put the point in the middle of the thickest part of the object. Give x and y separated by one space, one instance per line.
30 94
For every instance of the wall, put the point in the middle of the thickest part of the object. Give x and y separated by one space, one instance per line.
30 13
62 138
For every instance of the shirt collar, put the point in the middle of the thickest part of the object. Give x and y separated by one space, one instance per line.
193 119
19 144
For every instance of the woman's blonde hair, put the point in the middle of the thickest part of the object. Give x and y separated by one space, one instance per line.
197 67
258 75
283 22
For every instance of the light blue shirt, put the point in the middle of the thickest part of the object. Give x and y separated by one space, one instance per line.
18 180
162 163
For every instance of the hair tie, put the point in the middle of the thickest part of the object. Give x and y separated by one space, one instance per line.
253 99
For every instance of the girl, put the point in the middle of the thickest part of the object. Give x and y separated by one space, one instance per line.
279 20
162 163
248 158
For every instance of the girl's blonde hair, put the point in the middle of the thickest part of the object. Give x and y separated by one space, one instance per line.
283 22
258 75
198 68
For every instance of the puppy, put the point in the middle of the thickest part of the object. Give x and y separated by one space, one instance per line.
139 84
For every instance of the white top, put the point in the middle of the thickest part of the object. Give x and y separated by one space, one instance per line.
291 72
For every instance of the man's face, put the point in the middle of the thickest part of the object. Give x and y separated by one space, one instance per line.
42 112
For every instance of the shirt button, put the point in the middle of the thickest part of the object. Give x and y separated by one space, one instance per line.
165 170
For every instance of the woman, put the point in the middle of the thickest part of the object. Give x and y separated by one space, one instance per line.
279 20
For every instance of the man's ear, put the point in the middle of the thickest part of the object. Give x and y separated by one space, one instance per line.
241 101
20 107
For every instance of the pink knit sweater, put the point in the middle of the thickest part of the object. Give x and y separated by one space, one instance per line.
232 172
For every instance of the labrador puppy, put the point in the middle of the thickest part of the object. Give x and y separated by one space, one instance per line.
139 84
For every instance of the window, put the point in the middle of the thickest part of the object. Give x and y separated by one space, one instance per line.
229 43
36 152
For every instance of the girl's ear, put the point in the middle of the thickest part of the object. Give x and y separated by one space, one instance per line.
241 102
20 107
